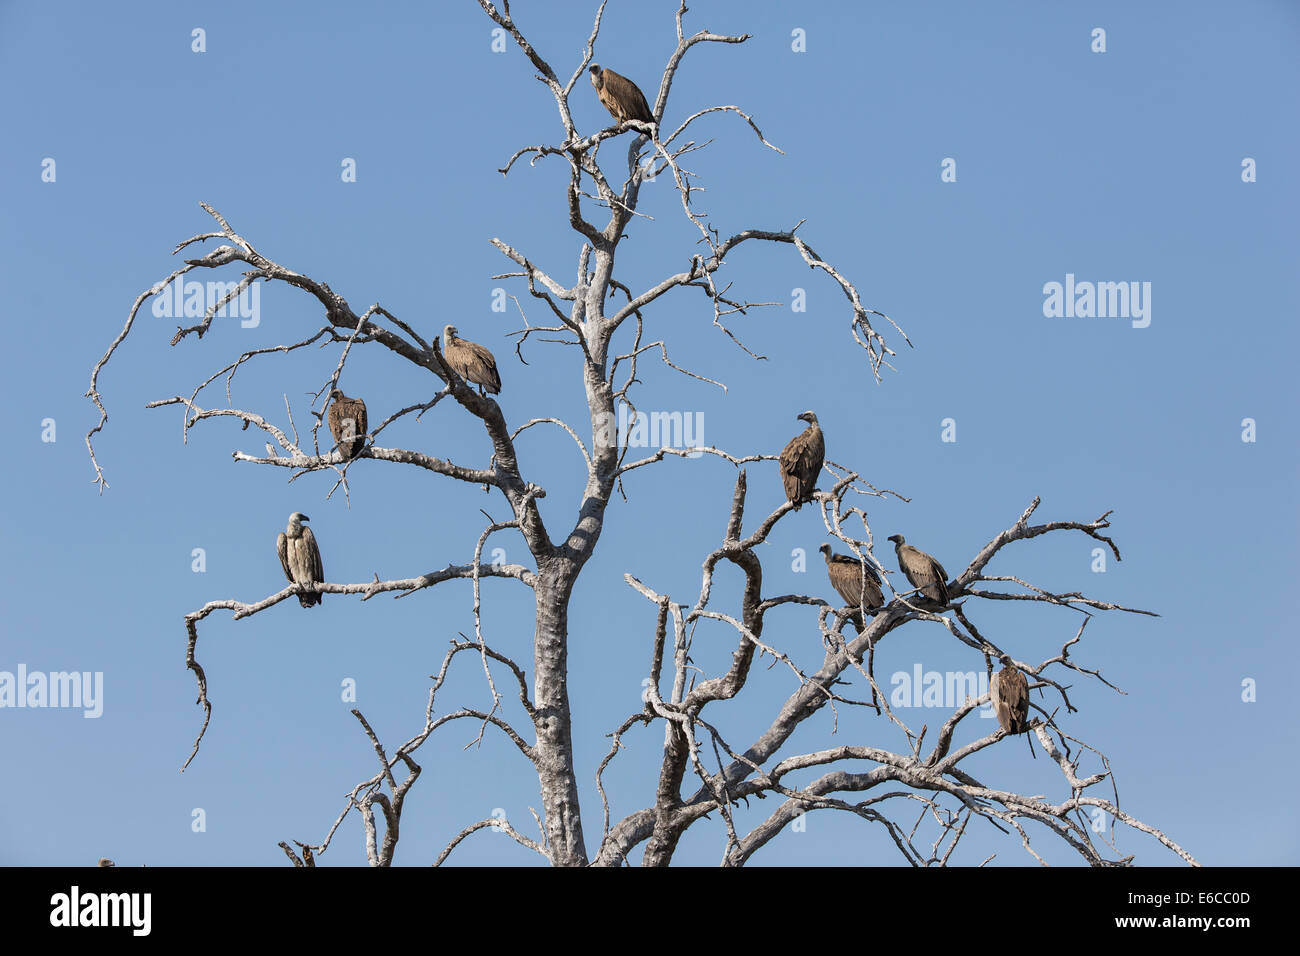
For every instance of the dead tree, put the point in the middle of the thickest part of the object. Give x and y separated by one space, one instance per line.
589 314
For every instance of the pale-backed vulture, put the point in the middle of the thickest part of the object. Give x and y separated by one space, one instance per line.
470 361
801 462
924 572
348 424
300 557
620 95
1009 692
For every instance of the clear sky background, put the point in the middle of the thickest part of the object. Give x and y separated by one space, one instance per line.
1122 166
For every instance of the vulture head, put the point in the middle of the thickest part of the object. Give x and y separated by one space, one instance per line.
596 79
809 417
898 539
1005 660
296 519
336 394
448 334
826 550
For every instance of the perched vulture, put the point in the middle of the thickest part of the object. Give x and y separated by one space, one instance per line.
470 361
300 557
924 572
845 573
348 424
801 462
1009 692
620 95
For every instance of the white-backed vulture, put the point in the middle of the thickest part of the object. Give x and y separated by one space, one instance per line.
846 574
1009 692
924 572
300 557
619 95
348 424
801 462
470 361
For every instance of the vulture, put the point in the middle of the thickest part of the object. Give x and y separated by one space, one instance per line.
924 572
1009 692
620 95
801 462
348 424
300 557
470 361
846 572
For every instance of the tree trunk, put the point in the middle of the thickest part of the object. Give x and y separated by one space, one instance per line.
553 721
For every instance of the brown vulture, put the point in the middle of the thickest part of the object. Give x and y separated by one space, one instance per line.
470 361
801 462
1009 692
620 95
348 424
924 572
300 557
846 574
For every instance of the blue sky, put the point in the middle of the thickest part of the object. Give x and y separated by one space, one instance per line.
1117 166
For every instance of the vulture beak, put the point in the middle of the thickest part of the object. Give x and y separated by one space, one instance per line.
303 517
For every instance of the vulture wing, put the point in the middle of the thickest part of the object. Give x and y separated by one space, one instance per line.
940 581
483 368
999 705
1013 688
336 424
311 557
846 577
474 363
348 425
938 568
282 549
924 572
628 96
607 100
363 426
